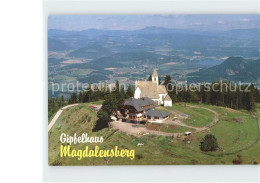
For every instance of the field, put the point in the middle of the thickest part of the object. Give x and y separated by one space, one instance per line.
237 133
197 117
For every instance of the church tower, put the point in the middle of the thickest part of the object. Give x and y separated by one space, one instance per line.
155 77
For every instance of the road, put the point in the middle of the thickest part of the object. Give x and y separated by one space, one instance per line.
54 119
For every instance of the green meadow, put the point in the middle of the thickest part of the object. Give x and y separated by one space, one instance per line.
237 133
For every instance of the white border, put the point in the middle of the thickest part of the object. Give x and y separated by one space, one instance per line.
177 173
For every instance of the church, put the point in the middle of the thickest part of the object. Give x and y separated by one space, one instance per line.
153 90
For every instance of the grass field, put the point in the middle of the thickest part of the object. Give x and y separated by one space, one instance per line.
197 117
237 134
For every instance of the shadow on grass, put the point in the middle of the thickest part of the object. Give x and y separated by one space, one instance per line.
100 125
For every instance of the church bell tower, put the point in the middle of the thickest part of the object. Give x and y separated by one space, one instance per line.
155 77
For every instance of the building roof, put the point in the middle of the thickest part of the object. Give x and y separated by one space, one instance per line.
155 74
148 89
167 98
140 104
162 89
155 113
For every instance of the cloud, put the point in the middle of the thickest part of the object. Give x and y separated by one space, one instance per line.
196 23
244 19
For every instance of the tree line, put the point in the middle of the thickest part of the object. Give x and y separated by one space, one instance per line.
229 96
223 93
95 93
113 99
54 104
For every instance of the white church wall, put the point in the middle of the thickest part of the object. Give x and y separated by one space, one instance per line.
162 96
167 103
157 101
137 93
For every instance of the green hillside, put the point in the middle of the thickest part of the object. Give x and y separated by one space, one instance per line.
237 134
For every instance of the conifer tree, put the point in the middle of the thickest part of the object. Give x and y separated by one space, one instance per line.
129 92
149 78
167 80
81 97
74 98
122 92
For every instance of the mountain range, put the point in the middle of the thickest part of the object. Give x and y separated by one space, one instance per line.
87 43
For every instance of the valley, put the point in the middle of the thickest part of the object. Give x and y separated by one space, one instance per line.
94 56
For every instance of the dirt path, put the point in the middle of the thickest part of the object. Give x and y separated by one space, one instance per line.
54 119
213 122
197 129
138 130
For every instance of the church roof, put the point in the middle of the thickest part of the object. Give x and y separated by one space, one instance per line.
155 74
162 89
148 89
167 98
140 104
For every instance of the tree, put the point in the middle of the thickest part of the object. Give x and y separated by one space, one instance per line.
167 80
238 161
109 106
103 119
103 115
251 98
149 78
122 92
209 143
81 97
54 104
74 98
129 92
87 97
116 97
117 86
62 100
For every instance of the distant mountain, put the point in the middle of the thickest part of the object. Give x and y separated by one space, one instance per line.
241 33
100 32
240 42
154 30
233 69
56 45
91 52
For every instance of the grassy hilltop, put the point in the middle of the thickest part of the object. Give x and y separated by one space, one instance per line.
237 133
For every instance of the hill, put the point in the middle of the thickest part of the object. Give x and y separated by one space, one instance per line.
236 132
56 45
233 69
91 52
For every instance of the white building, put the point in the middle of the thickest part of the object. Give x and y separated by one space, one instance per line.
153 90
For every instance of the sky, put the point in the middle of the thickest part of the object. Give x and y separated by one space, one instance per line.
135 22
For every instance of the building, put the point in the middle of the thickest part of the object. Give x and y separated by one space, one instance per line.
153 90
142 109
